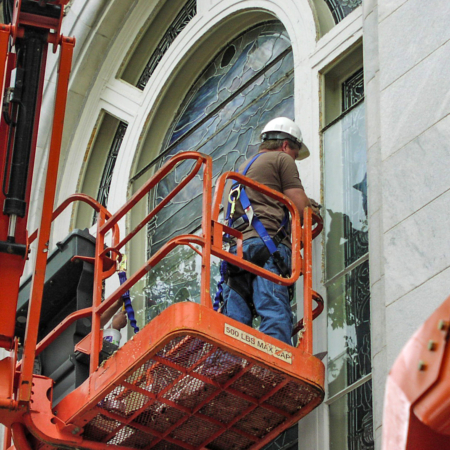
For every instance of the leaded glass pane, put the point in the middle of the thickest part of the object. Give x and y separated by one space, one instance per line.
353 90
234 114
176 279
345 180
351 420
342 8
235 65
247 84
108 169
105 182
176 27
348 303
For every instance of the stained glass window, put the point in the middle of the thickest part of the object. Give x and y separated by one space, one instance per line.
177 26
352 90
346 191
347 275
285 441
352 418
348 329
342 8
248 83
105 181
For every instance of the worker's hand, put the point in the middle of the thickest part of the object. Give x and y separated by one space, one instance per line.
119 320
315 206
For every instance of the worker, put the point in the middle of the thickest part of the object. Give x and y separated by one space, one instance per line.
244 294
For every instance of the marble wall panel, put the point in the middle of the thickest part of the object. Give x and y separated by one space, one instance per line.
371 51
377 317
376 247
387 7
410 34
417 249
416 174
379 374
374 179
415 101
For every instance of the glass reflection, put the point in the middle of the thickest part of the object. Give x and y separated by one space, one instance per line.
175 279
353 413
348 329
346 223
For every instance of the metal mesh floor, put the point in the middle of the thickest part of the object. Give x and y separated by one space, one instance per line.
194 395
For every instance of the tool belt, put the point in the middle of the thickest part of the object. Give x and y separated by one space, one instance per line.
241 281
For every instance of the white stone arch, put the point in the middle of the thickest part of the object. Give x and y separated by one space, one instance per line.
214 24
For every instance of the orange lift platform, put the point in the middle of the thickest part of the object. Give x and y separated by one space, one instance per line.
191 378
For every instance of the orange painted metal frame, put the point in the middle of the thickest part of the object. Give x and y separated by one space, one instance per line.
417 401
11 266
81 405
83 400
37 283
60 430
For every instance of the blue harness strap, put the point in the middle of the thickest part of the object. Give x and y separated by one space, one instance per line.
127 303
254 221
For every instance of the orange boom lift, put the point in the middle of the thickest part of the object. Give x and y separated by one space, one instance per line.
191 378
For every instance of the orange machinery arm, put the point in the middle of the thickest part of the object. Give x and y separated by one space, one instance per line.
23 48
417 399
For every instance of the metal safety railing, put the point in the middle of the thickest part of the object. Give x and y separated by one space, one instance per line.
209 241
301 238
198 356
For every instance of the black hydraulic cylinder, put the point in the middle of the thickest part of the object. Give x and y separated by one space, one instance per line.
30 53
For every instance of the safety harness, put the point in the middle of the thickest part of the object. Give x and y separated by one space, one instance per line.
126 296
239 279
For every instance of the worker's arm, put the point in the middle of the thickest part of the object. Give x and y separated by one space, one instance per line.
106 316
299 198
119 320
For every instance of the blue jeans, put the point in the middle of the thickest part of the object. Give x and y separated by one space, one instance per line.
271 300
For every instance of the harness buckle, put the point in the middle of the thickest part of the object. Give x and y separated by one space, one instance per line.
232 197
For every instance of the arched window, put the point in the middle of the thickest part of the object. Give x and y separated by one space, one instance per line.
249 82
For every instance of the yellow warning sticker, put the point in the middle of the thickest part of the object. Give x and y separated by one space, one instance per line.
257 343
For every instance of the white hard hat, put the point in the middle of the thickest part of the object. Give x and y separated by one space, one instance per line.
284 128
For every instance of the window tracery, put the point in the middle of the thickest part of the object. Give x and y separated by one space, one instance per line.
178 25
342 8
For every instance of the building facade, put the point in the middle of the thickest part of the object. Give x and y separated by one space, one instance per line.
366 82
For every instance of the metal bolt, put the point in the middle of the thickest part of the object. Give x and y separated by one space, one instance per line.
443 325
75 430
432 346
421 366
